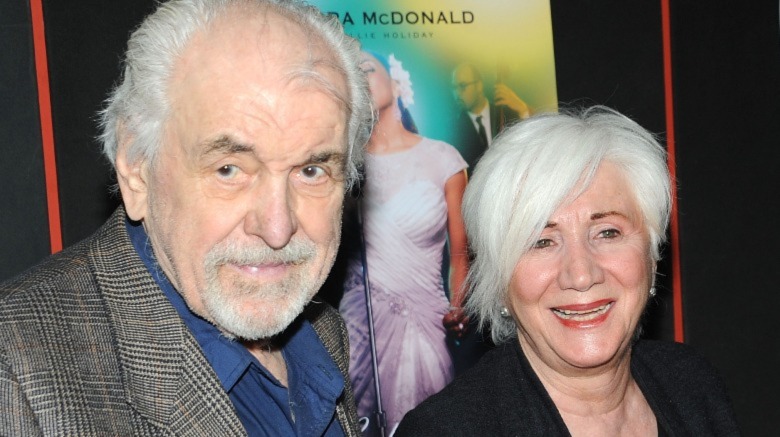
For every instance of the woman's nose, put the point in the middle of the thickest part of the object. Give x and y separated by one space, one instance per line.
580 268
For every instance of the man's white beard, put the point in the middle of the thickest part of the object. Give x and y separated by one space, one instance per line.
253 311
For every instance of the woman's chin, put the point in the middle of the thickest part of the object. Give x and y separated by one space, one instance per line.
569 351
591 352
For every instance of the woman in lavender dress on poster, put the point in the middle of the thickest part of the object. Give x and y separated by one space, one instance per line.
411 206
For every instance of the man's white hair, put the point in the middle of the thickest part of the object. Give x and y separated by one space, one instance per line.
138 108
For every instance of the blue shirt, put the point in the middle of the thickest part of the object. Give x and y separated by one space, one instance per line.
307 407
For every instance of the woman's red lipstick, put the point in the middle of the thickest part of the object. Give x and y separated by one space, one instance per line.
583 316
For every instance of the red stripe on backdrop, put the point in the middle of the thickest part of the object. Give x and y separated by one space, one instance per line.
672 162
47 130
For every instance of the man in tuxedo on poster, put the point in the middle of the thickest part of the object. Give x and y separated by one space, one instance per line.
477 123
480 120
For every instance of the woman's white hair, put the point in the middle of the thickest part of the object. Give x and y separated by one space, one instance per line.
138 108
530 170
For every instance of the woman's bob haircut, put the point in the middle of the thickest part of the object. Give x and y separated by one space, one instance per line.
530 170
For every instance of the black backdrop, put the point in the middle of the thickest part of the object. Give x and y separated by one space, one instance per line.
726 77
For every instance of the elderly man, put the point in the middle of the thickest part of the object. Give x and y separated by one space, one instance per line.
234 133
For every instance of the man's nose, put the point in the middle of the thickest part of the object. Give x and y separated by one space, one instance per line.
272 214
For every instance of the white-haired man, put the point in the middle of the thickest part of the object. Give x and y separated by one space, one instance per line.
235 131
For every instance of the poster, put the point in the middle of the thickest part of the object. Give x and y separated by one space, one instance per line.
461 71
431 37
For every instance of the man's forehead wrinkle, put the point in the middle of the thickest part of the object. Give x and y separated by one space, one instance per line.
302 56
309 79
272 61
320 72
260 108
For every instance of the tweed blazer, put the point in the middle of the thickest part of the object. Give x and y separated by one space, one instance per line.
90 346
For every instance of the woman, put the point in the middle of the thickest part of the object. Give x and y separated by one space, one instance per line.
566 215
410 206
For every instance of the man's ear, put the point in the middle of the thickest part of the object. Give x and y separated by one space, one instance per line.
133 182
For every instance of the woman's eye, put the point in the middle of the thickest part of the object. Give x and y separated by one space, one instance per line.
543 243
609 233
227 171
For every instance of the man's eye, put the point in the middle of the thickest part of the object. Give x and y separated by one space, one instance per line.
312 173
227 171
541 244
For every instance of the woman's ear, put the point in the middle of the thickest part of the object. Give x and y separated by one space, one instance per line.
132 177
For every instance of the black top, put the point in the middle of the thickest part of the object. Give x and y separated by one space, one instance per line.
502 395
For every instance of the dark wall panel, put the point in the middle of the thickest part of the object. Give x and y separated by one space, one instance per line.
86 40
727 83
24 236
610 52
726 65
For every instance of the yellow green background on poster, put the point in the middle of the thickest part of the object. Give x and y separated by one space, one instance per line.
431 37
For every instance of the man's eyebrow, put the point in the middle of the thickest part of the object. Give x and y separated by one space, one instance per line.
328 156
550 225
225 145
601 215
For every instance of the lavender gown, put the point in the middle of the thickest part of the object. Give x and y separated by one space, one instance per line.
405 228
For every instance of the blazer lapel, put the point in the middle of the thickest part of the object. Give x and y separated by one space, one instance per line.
166 377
